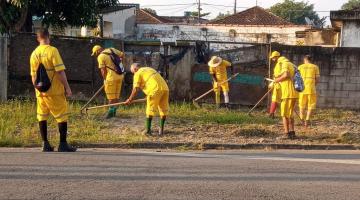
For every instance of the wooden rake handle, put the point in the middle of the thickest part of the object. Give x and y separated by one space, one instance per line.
115 104
262 98
93 97
208 92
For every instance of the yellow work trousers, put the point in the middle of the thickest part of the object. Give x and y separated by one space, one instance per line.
158 101
55 105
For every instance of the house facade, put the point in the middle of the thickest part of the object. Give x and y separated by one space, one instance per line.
116 22
255 25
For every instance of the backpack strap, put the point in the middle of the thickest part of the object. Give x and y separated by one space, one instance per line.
39 60
109 54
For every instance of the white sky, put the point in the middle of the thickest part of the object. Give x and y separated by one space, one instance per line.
226 5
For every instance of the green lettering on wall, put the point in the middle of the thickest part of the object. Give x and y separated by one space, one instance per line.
108 43
248 79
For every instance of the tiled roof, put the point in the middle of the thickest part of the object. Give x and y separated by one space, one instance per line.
144 17
252 16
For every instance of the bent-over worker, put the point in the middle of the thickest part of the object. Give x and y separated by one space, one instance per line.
157 93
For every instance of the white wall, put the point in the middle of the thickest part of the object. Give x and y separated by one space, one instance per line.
283 35
350 36
123 22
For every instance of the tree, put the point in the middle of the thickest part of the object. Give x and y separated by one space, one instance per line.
351 4
196 13
149 10
14 14
222 15
295 12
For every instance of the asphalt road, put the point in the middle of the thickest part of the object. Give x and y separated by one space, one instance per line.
141 174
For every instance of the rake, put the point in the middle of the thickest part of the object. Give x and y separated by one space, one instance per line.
196 104
92 98
115 104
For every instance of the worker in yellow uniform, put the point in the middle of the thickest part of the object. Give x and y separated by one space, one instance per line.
307 98
156 90
288 97
276 93
49 79
112 77
218 71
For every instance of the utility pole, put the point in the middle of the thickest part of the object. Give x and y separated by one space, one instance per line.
199 10
235 6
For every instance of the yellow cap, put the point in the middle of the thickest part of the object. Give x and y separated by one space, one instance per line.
95 49
275 54
215 61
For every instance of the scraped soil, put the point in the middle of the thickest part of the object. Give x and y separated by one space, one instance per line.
322 131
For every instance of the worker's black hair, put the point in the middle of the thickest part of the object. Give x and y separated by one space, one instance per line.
309 58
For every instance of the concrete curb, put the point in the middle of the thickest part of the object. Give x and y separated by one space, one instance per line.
209 146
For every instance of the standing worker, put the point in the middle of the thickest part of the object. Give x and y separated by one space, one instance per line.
288 97
307 99
218 70
112 72
276 93
157 93
50 82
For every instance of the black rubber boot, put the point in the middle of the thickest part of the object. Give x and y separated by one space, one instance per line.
43 131
47 147
65 147
292 135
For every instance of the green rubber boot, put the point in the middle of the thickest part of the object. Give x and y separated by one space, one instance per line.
111 113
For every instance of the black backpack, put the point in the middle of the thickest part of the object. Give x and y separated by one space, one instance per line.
42 81
119 68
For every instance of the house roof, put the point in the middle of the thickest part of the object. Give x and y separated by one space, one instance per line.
252 16
184 19
145 17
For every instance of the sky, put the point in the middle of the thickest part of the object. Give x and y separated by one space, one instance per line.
172 7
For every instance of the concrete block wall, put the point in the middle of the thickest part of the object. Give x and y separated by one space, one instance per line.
3 67
339 85
81 68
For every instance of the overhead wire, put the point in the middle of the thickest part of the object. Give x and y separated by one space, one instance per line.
160 5
218 5
174 8
181 9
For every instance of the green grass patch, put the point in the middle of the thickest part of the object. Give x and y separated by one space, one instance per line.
19 127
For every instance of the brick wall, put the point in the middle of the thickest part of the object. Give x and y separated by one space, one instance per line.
340 73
